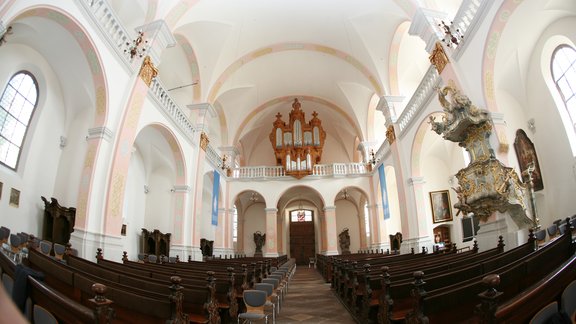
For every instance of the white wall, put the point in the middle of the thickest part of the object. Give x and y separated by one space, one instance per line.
40 157
347 217
254 220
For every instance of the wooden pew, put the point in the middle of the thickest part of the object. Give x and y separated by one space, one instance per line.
456 303
132 305
64 308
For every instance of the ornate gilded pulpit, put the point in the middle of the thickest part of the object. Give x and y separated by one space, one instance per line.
486 184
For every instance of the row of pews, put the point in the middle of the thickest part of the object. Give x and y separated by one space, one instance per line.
485 287
80 291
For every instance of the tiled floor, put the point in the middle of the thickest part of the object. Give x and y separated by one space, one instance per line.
310 300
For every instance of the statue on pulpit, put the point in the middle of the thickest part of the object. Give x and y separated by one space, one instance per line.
344 239
259 240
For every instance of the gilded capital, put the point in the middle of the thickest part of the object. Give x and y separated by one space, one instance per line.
204 141
438 58
148 71
390 135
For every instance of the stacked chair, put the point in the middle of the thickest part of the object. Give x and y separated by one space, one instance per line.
267 294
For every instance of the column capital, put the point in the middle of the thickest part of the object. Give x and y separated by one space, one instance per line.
271 210
329 208
181 188
200 112
388 105
424 26
159 37
100 132
497 118
416 180
374 206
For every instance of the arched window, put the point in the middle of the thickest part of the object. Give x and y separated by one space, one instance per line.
563 68
17 104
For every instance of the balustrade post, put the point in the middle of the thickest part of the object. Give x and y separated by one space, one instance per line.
385 303
489 300
416 316
103 312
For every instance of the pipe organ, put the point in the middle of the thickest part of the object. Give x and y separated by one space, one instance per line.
298 145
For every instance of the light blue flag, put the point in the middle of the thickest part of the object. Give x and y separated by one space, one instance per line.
383 191
215 194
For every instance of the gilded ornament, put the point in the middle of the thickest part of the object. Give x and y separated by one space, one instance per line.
390 135
438 58
148 71
204 141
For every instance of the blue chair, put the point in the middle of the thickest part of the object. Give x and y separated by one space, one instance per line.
545 314
43 316
568 300
255 301
277 291
269 289
45 247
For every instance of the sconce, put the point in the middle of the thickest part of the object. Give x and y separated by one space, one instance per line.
146 189
8 31
134 48
372 160
532 125
224 165
451 37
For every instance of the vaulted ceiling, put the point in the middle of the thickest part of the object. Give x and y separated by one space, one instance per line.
251 58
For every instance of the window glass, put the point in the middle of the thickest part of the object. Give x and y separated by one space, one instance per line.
16 107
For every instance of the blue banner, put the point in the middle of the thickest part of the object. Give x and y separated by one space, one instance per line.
215 194
383 191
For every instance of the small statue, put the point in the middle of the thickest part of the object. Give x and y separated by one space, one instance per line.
259 240
344 240
206 247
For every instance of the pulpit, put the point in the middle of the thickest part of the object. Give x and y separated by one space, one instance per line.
155 243
58 221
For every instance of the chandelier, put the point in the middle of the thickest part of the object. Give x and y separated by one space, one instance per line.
134 48
451 37
254 197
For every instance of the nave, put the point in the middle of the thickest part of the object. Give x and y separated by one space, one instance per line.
311 301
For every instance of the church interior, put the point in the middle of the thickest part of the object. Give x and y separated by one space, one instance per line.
269 136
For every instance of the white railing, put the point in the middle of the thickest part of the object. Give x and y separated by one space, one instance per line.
114 32
319 170
213 157
467 19
382 151
173 111
257 172
418 101
108 23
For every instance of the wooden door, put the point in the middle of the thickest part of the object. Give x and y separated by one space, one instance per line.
302 242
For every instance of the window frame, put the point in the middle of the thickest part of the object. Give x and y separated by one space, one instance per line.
29 122
556 80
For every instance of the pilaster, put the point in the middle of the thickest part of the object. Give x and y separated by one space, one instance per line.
179 193
271 232
331 231
418 226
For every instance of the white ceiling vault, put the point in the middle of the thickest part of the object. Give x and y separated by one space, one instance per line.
251 58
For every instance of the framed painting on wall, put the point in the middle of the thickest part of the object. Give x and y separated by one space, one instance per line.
526 154
14 198
441 207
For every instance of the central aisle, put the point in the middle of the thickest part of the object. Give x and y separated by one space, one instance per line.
310 300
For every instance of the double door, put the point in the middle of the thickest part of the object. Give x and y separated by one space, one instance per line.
302 242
